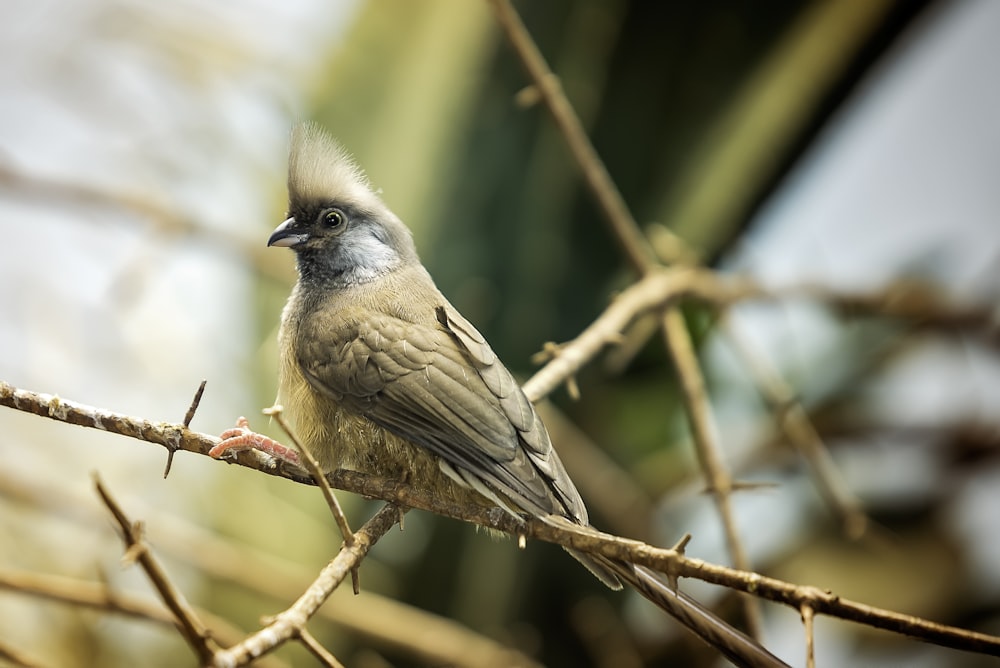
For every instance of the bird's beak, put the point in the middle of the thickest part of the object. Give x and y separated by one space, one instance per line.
285 236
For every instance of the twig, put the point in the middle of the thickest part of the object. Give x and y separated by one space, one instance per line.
910 300
808 623
191 627
672 563
289 623
633 243
651 293
83 594
317 473
794 422
678 343
321 653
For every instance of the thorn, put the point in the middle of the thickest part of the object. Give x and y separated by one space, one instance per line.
133 553
740 486
170 462
531 94
528 97
550 351
616 339
195 402
679 548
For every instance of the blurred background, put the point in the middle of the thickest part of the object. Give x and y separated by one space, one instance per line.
847 147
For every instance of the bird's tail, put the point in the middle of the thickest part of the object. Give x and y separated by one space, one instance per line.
738 647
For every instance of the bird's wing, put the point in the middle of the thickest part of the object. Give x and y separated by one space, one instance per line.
442 387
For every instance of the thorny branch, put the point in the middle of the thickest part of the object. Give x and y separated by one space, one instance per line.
191 627
580 538
800 431
286 625
290 623
656 291
640 255
276 412
430 638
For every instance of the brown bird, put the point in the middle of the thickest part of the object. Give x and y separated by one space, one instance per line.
380 373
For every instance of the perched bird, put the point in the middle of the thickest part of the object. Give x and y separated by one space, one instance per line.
380 373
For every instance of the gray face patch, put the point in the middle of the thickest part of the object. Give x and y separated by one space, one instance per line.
362 254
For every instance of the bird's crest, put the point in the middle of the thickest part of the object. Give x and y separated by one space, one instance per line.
319 168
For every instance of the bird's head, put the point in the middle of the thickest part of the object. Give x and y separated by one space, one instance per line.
340 230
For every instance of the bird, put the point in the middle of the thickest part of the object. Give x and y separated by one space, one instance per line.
378 372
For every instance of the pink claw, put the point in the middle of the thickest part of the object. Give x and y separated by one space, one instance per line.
242 438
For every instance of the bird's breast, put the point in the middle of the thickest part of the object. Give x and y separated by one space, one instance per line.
334 432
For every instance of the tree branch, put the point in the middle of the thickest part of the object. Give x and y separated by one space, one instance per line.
634 244
720 483
99 596
584 539
290 623
190 625
640 255
655 291
386 622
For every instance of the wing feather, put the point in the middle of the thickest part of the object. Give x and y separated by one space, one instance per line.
441 386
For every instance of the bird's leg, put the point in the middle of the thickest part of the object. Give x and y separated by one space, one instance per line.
243 438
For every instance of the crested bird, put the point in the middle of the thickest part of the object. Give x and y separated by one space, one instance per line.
380 373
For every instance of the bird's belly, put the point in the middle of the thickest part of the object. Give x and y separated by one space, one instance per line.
341 438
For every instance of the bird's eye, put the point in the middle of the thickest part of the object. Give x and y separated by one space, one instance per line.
333 218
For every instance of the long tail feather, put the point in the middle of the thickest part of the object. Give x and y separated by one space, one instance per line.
738 647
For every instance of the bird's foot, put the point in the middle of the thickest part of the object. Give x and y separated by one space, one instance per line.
243 438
